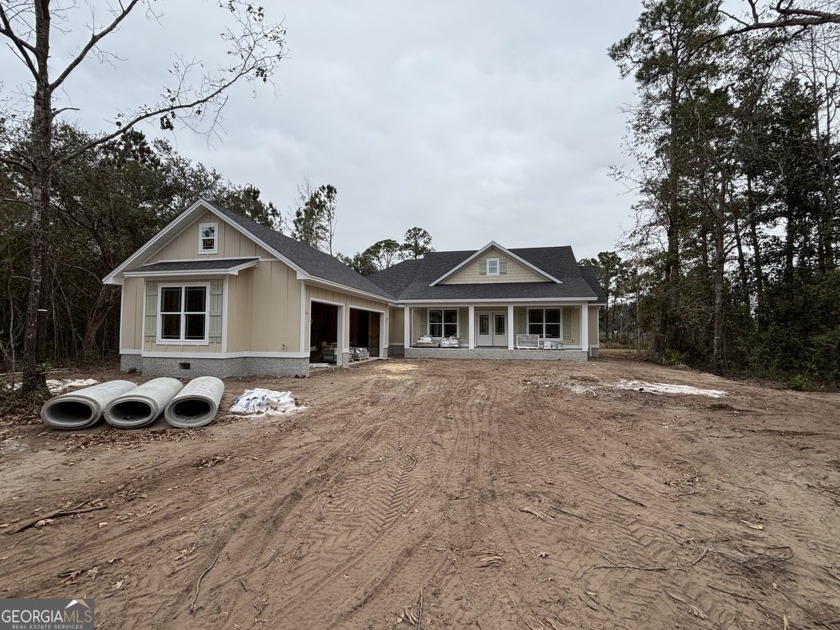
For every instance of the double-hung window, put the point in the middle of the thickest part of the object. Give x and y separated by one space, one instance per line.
492 266
443 322
183 313
545 322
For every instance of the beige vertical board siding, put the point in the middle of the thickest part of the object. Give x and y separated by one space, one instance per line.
275 308
132 314
235 244
520 318
464 326
231 244
419 324
238 324
516 271
594 333
396 329
573 313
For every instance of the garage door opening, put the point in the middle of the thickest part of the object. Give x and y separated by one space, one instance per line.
323 336
365 330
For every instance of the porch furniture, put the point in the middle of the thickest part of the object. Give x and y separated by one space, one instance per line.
425 342
527 342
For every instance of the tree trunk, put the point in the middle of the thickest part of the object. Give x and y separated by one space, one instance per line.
98 314
672 257
742 268
758 268
41 156
717 343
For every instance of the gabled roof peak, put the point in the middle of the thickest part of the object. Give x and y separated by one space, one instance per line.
504 250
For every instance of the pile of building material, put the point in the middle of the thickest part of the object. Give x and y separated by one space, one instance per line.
255 402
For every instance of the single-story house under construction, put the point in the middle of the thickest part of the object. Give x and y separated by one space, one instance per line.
216 293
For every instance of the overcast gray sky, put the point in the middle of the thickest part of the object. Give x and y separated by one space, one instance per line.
476 120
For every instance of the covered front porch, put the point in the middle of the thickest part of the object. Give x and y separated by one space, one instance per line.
536 330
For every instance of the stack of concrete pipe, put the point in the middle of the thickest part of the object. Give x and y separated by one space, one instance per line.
143 404
83 408
197 404
128 406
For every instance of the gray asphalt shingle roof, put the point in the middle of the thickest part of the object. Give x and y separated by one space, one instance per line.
194 265
315 263
411 279
589 275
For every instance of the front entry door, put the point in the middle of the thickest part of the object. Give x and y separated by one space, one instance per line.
492 329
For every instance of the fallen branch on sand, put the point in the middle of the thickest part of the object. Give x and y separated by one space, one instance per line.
57 514
618 494
193 607
537 513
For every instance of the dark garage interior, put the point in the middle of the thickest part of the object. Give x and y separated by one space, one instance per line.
364 330
323 339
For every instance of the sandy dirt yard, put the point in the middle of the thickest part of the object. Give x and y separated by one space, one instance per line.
445 494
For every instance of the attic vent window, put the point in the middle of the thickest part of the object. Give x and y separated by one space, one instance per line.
492 266
208 238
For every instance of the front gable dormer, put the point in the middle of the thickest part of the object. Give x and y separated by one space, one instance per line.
494 264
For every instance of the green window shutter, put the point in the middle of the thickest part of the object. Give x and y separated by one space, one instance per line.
482 268
150 326
214 334
567 323
502 267
424 321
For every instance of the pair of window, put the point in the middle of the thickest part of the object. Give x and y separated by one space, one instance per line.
443 322
545 322
183 313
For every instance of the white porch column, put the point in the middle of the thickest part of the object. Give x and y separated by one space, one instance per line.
584 328
510 327
471 328
407 313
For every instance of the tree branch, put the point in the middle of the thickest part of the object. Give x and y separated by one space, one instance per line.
24 47
92 42
788 17
160 111
257 49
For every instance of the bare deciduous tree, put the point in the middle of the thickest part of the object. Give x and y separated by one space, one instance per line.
253 46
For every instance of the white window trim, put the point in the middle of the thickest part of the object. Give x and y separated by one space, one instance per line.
215 249
544 309
443 323
182 341
498 267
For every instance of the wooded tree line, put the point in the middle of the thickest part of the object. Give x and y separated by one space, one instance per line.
734 254
104 206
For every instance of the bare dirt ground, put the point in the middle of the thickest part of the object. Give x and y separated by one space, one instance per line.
435 494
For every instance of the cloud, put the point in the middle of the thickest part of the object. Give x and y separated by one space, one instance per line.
477 121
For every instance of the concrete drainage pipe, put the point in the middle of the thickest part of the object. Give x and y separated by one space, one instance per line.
197 404
143 404
84 407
